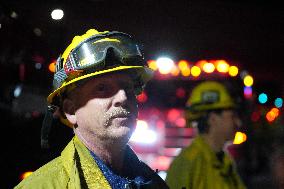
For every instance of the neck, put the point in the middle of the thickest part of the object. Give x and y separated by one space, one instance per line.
215 141
111 152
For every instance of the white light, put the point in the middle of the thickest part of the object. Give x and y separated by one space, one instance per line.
17 91
57 14
38 66
165 65
14 14
142 134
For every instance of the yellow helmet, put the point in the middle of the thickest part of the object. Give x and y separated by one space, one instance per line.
86 57
208 95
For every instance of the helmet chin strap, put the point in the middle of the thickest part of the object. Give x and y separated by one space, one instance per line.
46 126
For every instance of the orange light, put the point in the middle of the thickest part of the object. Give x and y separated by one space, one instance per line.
152 64
25 174
182 64
240 138
195 71
184 68
270 116
51 67
208 67
175 71
201 63
233 71
222 66
276 111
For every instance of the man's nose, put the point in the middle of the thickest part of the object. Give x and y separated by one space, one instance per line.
120 98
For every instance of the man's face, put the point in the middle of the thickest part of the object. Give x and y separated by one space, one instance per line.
106 106
228 122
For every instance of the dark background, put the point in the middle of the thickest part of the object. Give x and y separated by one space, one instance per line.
249 34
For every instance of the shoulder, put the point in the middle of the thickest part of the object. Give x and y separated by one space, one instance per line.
48 175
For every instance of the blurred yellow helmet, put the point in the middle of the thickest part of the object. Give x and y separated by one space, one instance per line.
207 95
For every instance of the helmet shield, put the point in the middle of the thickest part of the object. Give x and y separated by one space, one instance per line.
88 59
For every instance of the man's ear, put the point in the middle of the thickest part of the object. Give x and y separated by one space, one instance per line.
69 109
212 118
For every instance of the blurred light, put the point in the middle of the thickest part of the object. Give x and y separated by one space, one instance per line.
201 63
57 14
38 66
222 66
183 64
180 92
262 98
142 134
152 64
180 122
51 66
248 81
25 174
173 114
233 71
195 71
37 32
162 162
270 116
240 138
165 65
275 111
175 71
278 102
185 72
14 14
142 97
208 67
247 92
18 91
184 67
0 25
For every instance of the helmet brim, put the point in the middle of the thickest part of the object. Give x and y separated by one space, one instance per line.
145 74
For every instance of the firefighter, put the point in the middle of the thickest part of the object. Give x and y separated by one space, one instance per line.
96 82
204 164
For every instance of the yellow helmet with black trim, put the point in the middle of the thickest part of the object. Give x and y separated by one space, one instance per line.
85 57
207 95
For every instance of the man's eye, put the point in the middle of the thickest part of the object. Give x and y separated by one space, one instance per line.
101 88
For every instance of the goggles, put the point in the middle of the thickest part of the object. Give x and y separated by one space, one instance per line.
89 56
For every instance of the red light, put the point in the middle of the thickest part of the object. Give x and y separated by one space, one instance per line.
173 115
180 93
180 122
142 97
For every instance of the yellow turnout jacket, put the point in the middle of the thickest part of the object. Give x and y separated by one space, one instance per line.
76 169
197 167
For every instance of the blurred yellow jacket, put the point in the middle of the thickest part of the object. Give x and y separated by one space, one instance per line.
63 171
197 167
